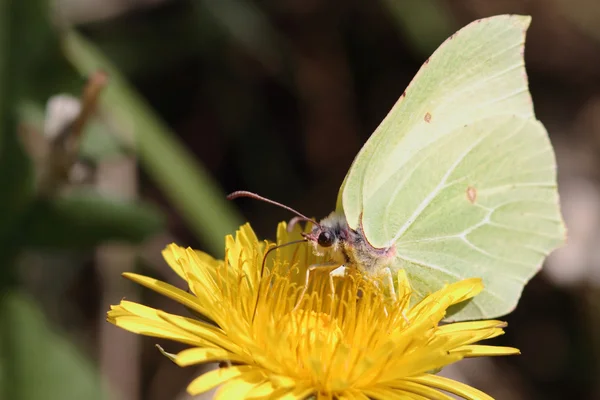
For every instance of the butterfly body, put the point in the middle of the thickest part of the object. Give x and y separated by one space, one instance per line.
348 247
457 181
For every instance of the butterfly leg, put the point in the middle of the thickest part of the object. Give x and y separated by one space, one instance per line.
390 283
310 269
339 272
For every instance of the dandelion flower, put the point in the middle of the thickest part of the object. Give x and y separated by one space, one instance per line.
356 344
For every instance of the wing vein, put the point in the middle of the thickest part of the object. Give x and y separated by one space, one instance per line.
431 266
440 186
490 255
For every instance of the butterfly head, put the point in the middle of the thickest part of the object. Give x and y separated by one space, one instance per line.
330 233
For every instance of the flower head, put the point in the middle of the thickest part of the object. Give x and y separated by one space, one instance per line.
356 343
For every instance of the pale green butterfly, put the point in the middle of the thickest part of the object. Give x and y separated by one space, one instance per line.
458 181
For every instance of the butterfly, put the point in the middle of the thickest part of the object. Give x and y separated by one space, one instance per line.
458 180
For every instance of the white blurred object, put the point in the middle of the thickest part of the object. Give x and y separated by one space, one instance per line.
61 111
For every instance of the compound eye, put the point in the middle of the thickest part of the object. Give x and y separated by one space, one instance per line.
325 239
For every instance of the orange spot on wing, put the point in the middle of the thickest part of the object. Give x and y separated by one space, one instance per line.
471 194
427 118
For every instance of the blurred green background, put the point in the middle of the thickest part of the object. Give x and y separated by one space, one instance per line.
205 97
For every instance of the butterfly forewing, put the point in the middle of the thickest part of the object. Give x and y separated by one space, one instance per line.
459 176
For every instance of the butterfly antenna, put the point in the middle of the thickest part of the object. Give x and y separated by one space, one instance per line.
243 193
293 222
264 262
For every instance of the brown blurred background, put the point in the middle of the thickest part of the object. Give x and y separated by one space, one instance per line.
271 96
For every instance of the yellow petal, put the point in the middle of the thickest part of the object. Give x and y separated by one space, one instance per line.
203 330
282 381
353 395
422 390
471 326
240 388
172 253
169 291
478 350
403 282
214 378
451 386
298 393
200 355
462 290
420 362
157 329
390 394
324 396
117 311
261 391
139 310
458 339
201 266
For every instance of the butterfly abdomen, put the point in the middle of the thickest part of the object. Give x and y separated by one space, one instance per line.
365 257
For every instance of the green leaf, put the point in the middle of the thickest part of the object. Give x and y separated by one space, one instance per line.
40 363
186 184
18 46
83 220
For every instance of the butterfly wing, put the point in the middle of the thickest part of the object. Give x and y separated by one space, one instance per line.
459 175
488 209
476 73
